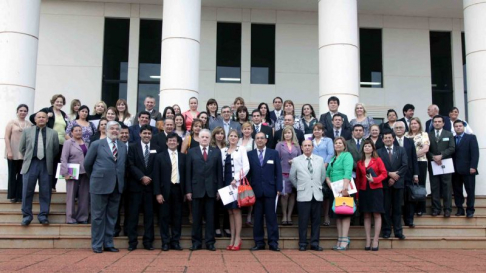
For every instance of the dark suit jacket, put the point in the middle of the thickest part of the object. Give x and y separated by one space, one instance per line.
268 132
447 125
134 132
405 122
137 169
161 140
278 137
346 133
399 165
445 146
326 120
466 155
379 143
273 116
353 149
265 180
155 115
204 177
412 163
163 173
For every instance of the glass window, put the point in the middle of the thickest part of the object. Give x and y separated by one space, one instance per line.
228 53
441 68
262 54
371 61
115 60
149 56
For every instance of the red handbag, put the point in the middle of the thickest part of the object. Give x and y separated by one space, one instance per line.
246 196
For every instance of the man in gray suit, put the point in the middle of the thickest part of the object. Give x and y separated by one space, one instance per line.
38 145
226 123
105 164
307 175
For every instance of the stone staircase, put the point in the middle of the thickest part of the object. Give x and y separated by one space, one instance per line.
430 232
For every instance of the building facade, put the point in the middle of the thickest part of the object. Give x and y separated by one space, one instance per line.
384 53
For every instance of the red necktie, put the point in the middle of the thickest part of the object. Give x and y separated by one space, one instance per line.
205 155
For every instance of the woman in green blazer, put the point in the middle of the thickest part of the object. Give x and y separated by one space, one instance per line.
341 168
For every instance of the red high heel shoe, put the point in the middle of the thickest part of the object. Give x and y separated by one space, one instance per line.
230 247
236 248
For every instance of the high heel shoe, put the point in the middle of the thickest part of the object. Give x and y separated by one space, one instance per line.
338 243
368 248
343 248
376 248
236 248
230 247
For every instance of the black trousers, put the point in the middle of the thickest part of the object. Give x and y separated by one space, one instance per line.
218 209
14 179
124 203
469 182
141 200
441 186
393 199
199 207
170 214
420 206
309 210
265 206
57 159
409 208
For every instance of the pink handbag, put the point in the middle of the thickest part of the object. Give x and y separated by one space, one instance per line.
344 206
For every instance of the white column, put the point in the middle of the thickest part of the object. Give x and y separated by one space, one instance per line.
19 37
338 54
181 28
474 22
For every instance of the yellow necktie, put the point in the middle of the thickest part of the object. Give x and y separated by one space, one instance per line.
173 178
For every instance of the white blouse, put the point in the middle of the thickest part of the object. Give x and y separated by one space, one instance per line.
239 160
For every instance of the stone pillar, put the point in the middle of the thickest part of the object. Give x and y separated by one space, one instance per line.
475 32
338 54
181 28
19 38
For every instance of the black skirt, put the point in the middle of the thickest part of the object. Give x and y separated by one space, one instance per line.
371 201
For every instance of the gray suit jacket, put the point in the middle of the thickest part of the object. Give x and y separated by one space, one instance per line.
308 185
102 168
26 148
445 145
233 125
353 149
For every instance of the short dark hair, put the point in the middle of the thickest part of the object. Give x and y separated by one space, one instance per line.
358 125
338 115
76 126
81 108
459 121
333 98
391 111
145 127
123 126
23 105
388 132
172 135
277 98
454 108
256 111
407 107
438 116
56 96
144 113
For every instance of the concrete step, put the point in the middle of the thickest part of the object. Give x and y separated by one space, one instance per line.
62 242
6 206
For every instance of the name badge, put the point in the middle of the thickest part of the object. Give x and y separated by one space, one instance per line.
153 151
270 162
267 136
445 139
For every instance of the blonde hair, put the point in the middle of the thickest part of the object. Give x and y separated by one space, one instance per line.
362 105
294 137
245 125
419 123
104 106
216 131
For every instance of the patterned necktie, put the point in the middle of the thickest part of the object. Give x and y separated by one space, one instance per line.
260 157
337 133
173 177
40 146
257 129
205 155
309 165
146 155
437 136
390 155
115 151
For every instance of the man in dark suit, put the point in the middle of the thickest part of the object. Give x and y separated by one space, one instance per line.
337 128
226 123
466 158
169 181
432 111
442 146
277 109
266 180
411 177
326 118
288 121
155 115
141 158
161 138
408 111
105 164
395 160
124 136
143 119
355 143
204 176
259 127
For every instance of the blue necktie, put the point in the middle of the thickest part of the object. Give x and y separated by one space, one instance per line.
260 157
358 145
458 139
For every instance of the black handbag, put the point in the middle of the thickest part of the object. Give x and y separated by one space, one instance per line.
416 193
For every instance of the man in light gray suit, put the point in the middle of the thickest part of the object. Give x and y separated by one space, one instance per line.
307 175
105 164
38 145
226 123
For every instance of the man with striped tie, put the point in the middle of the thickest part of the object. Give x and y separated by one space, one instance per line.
141 158
105 165
169 180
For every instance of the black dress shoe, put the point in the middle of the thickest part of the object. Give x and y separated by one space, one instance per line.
447 214
400 236
435 213
195 247
302 248
83 222
211 248
132 248
386 236
316 248
165 247
273 248
97 250
419 214
111 249
257 248
176 247
25 222
149 247
117 234
460 212
470 215
412 225
44 222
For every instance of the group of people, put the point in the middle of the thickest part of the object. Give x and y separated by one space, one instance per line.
156 163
